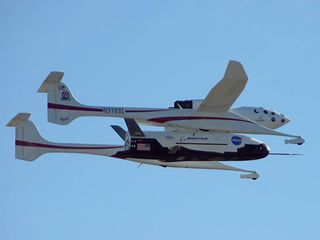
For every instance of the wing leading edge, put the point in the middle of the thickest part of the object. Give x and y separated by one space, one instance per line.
225 93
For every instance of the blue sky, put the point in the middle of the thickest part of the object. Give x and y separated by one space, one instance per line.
149 54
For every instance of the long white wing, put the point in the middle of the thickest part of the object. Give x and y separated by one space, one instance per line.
225 93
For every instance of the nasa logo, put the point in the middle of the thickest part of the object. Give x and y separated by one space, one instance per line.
65 96
236 140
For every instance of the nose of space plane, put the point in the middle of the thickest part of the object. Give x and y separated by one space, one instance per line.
264 150
260 151
254 152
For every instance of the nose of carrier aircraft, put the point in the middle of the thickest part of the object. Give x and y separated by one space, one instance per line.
277 119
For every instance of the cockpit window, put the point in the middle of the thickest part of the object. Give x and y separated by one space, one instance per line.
256 110
265 111
273 119
283 120
272 113
183 104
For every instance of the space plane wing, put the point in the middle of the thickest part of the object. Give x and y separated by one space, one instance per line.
225 93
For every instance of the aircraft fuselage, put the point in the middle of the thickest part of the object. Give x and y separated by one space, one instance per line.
228 121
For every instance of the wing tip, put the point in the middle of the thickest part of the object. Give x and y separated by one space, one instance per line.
235 70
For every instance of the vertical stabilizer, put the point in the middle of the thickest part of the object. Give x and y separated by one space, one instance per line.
60 100
27 135
133 128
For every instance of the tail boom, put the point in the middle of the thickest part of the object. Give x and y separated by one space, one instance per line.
64 108
30 144
102 150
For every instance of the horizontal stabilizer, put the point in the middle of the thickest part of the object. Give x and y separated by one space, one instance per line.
53 78
18 119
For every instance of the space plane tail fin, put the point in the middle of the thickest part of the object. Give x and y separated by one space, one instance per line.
120 131
133 128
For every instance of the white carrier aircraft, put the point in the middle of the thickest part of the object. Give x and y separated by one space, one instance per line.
214 113
198 133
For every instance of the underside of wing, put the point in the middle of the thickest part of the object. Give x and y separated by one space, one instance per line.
225 93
